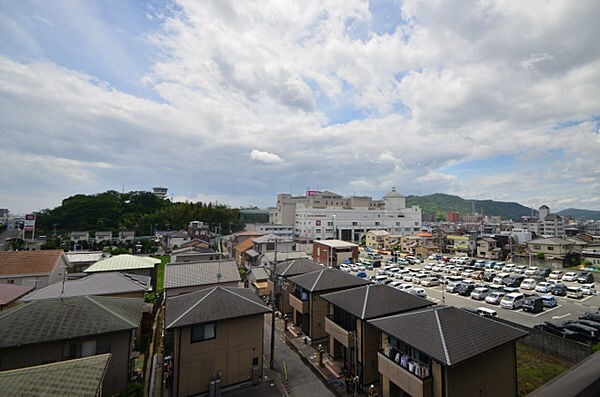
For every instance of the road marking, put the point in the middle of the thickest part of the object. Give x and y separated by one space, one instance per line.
563 316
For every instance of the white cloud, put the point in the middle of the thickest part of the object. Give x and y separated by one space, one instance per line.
265 157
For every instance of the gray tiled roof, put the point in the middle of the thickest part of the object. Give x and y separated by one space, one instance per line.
375 300
448 334
63 318
327 279
295 267
259 273
81 377
200 273
213 304
96 284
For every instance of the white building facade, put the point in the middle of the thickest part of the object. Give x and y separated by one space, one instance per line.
344 221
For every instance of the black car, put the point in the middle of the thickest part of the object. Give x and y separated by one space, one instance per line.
590 316
543 272
585 278
586 333
466 289
514 281
533 304
559 289
489 276
589 323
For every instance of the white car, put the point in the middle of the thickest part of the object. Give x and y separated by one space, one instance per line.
569 276
480 293
508 268
520 269
543 287
555 274
532 271
528 284
514 300
494 298
405 287
430 282
588 289
345 268
418 292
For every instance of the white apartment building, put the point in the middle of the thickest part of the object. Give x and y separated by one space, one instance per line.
547 225
326 215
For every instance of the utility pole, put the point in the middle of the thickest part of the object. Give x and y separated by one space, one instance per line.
274 279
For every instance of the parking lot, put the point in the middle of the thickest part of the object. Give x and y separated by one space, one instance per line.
567 308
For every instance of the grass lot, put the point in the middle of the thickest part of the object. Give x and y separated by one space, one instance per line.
534 368
160 272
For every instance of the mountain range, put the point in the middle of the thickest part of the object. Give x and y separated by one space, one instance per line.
438 204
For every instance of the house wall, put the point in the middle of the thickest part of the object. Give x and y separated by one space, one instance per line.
490 374
36 282
318 311
238 341
117 373
370 346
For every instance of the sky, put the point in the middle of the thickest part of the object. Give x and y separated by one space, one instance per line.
234 102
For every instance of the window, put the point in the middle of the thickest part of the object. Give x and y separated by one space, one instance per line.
103 346
550 248
354 223
376 223
10 281
202 332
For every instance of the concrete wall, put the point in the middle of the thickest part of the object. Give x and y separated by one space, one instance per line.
36 282
237 342
117 373
549 343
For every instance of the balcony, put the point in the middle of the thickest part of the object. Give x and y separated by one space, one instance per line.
338 333
406 380
299 305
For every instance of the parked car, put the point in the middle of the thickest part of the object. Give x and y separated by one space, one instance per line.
569 277
528 284
533 304
345 268
588 334
465 289
559 289
418 292
453 286
486 312
361 275
520 269
549 301
532 271
588 289
585 278
513 281
494 298
480 293
555 274
574 292
430 282
544 272
512 301
405 287
508 268
489 275
500 278
477 275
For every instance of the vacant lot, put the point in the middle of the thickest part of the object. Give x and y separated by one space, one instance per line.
534 368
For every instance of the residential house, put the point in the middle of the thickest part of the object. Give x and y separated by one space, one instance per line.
79 236
353 343
240 253
195 254
592 254
51 330
35 269
257 281
198 244
81 260
376 238
487 248
391 242
106 284
198 230
309 309
142 265
103 237
217 335
188 277
446 351
553 247
461 245
334 252
126 237
78 377
271 244
176 239
285 270
233 240
10 293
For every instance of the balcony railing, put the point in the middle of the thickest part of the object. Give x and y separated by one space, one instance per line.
298 304
408 381
338 333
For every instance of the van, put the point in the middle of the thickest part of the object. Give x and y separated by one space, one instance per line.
514 300
452 286
549 301
574 292
533 304
484 311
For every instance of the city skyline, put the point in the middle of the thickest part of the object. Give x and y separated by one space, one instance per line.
236 102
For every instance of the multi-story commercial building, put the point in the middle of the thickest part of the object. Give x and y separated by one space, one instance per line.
546 225
326 215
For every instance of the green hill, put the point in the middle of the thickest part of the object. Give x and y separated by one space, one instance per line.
580 214
440 203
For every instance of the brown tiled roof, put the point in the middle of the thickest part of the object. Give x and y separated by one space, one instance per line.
10 293
448 334
244 246
28 262
375 300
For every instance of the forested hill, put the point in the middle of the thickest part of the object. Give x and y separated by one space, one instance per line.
580 214
440 203
142 211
